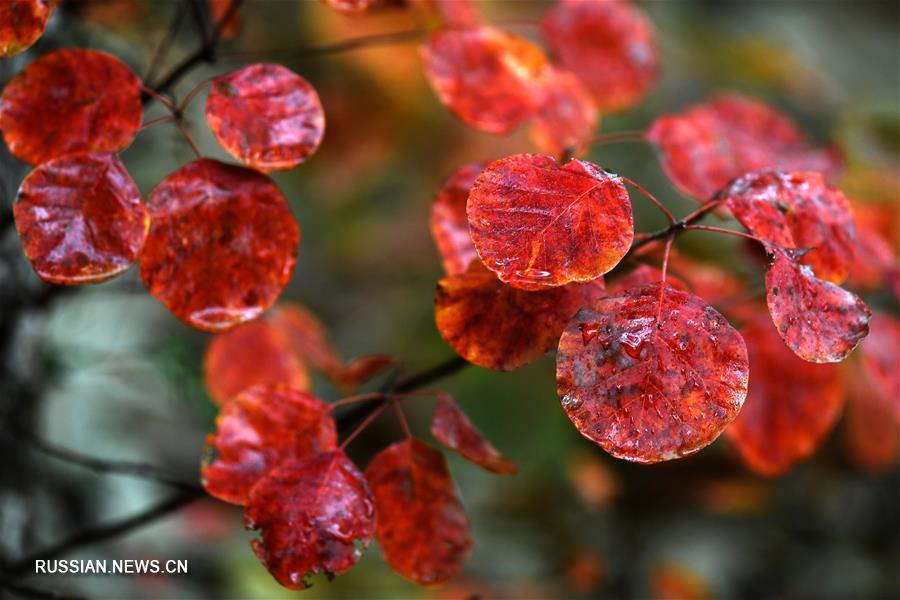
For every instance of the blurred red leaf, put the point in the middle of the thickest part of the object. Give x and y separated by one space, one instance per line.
218 10
70 100
306 335
678 582
315 515
797 210
459 12
647 391
871 427
452 428
258 430
222 244
485 76
538 224
566 117
266 116
500 327
706 146
449 224
80 218
362 369
819 321
422 527
791 405
251 354
353 6
881 358
21 24
610 45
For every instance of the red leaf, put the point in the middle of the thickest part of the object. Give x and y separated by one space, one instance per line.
71 100
218 10
422 528
648 391
483 75
708 145
222 244
81 218
538 224
881 359
21 24
818 320
449 224
797 210
459 12
452 428
644 274
252 354
362 369
791 405
352 6
266 116
500 327
610 45
258 430
871 429
566 117
306 336
313 515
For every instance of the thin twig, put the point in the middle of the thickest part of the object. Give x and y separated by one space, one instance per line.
723 230
362 426
355 399
189 138
652 198
157 121
404 424
662 287
616 137
163 48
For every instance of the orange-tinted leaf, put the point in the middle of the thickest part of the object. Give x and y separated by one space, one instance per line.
871 429
252 354
218 10
360 370
708 145
648 391
678 582
422 527
566 116
306 336
71 100
538 224
644 274
260 429
818 320
352 6
266 116
485 76
610 45
791 406
797 210
81 218
222 244
21 24
313 515
881 358
449 224
451 427
500 327
459 12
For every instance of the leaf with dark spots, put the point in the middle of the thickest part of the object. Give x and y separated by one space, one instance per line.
315 515
648 391
538 224
81 218
449 224
500 327
819 321
791 405
452 428
797 210
422 528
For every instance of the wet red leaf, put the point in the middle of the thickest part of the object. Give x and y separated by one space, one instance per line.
21 24
791 405
647 393
70 100
266 116
818 320
566 117
422 527
797 210
880 355
452 428
449 224
315 516
258 430
610 45
538 224
307 336
485 76
500 327
706 146
222 244
252 354
80 218
644 274
871 429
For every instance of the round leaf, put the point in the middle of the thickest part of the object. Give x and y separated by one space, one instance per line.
449 224
452 428
566 117
21 24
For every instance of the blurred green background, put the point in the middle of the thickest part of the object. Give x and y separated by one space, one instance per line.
114 375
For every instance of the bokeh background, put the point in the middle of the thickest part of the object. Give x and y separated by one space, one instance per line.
107 371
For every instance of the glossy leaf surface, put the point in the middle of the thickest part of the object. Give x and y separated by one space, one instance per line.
449 224
452 428
647 391
80 218
422 527
21 24
222 244
538 224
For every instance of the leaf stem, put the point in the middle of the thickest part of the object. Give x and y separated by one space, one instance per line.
398 410
652 198
615 137
365 423
662 286
723 230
